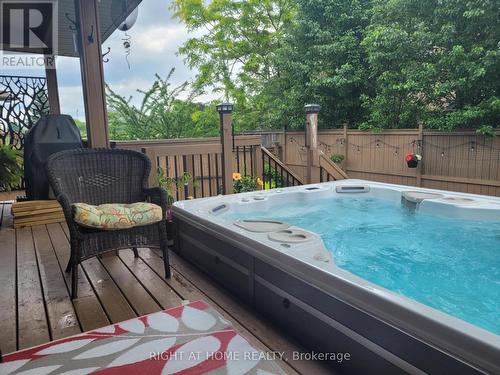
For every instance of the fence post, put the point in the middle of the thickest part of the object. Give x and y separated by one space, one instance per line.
420 166
283 145
312 168
346 146
226 137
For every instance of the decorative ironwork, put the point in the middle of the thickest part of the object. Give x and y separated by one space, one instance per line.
23 100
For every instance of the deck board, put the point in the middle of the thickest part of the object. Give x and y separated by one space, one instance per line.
162 293
61 314
34 293
88 308
113 301
134 292
8 279
32 317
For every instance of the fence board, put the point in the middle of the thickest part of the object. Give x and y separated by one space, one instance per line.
457 161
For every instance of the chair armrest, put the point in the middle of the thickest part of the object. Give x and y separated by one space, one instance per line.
66 206
158 196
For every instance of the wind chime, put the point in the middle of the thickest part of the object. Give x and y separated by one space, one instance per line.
127 39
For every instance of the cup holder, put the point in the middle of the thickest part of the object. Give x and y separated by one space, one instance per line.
290 236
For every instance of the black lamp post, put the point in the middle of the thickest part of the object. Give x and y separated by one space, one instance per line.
312 108
226 108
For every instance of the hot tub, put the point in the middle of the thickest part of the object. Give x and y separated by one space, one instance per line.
404 279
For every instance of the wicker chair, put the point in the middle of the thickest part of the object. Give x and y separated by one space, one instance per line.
102 176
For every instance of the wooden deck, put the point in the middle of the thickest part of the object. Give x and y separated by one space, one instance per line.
34 297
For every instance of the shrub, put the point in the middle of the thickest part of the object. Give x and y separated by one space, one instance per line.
242 184
11 170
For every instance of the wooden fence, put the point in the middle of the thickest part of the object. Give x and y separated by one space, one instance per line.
201 158
457 161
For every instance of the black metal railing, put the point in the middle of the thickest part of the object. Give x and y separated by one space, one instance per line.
191 176
275 174
244 157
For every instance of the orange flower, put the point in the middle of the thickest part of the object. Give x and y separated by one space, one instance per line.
260 182
236 176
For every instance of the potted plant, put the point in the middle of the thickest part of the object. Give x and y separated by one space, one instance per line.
338 159
11 170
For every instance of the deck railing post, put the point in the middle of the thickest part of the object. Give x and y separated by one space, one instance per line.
312 168
52 87
420 167
89 37
226 137
346 145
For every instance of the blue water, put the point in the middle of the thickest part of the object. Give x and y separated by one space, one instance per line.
449 264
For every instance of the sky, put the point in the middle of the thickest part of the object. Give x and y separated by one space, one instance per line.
155 39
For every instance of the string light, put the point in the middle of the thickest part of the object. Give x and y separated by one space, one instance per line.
490 153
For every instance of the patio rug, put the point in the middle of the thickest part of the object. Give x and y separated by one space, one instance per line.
189 339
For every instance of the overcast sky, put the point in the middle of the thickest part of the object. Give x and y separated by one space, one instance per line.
156 38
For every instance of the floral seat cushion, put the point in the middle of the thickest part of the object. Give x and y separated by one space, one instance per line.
116 215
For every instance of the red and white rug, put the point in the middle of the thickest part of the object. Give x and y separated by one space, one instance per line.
190 339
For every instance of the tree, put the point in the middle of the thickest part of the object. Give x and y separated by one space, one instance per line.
372 64
325 63
235 49
161 114
435 61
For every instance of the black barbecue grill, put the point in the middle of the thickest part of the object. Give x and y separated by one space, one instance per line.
51 134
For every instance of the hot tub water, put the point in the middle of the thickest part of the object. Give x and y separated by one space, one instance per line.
452 265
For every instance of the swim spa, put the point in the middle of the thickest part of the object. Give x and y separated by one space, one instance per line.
405 279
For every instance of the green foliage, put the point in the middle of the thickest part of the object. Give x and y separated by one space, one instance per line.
324 62
235 52
434 61
161 114
244 184
11 170
337 158
486 130
171 184
272 177
371 64
82 127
